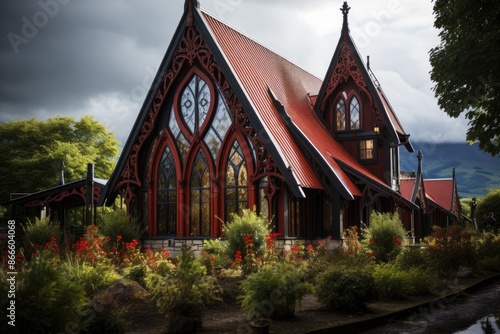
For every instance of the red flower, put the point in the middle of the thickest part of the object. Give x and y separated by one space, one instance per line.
212 258
372 241
238 256
248 239
118 237
295 249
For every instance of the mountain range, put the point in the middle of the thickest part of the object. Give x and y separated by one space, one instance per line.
476 171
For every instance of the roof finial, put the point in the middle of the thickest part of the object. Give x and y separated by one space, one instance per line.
61 175
190 6
345 11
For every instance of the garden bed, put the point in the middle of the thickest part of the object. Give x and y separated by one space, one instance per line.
226 317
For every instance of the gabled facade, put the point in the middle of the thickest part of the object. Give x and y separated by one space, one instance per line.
228 124
437 199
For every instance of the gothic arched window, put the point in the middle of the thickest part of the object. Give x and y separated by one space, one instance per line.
354 114
347 115
167 195
200 196
236 181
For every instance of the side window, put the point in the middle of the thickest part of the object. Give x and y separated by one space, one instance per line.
366 150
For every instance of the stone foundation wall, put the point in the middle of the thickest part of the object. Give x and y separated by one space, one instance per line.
173 246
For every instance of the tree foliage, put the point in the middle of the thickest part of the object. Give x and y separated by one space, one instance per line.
487 204
466 66
32 152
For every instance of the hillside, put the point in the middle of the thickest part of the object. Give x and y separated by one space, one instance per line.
476 171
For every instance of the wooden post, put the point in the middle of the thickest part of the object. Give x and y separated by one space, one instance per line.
89 195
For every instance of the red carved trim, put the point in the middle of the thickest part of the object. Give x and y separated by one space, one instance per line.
79 192
346 67
192 49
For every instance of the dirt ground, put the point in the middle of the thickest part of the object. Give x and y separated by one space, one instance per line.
226 316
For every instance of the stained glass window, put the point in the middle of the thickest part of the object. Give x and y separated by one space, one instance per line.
236 181
180 139
354 114
340 115
200 196
195 103
219 127
167 195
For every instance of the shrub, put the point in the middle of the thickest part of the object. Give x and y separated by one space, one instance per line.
117 223
46 299
248 223
391 281
214 254
183 294
39 234
274 291
92 278
451 247
489 203
413 257
345 289
385 236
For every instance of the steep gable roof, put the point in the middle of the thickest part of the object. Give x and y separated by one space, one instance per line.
441 192
347 63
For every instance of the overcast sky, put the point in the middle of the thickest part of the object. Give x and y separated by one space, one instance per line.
75 58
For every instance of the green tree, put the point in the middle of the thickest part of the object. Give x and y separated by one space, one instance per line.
32 152
466 66
488 204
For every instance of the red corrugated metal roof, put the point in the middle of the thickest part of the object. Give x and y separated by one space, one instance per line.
406 187
258 68
440 191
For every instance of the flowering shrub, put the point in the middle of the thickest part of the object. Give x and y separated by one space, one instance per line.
385 236
117 223
451 247
242 225
39 234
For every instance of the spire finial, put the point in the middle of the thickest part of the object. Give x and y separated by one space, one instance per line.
345 11
61 176
190 6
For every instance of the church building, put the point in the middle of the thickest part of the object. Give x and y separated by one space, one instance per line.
229 124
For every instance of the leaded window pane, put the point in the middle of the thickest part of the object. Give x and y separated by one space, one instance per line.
340 115
188 104
236 181
219 127
354 114
195 103
263 201
203 101
167 195
200 196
